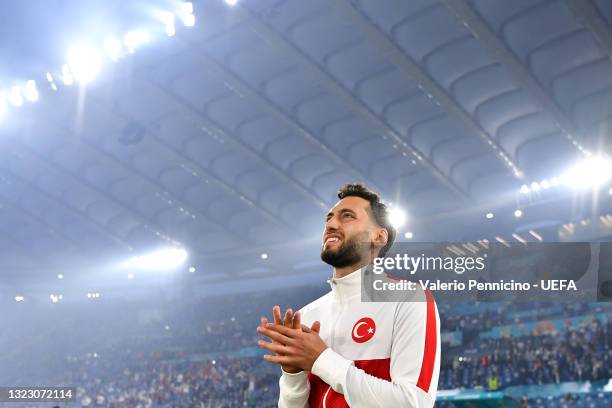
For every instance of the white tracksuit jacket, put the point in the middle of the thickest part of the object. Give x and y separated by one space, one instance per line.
380 354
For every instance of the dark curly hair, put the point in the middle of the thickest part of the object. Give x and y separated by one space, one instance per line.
377 209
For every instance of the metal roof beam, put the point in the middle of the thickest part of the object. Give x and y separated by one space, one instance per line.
109 159
73 210
187 107
199 171
431 88
588 15
499 51
277 41
156 233
240 87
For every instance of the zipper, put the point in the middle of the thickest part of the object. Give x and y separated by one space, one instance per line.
332 336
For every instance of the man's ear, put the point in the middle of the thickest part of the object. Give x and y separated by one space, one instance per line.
381 238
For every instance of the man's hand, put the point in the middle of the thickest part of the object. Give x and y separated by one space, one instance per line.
292 322
294 347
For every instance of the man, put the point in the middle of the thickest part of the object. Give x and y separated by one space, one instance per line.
349 352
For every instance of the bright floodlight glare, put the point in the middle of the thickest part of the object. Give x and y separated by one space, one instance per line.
112 48
489 215
231 2
525 189
60 276
30 92
408 235
397 217
187 7
135 39
535 186
130 275
264 256
518 213
189 20
19 298
67 77
591 172
555 181
192 269
162 259
170 30
84 62
545 184
610 191
15 97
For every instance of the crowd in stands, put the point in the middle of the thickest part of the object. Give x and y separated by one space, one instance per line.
181 358
578 354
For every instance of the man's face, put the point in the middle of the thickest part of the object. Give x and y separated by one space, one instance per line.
347 233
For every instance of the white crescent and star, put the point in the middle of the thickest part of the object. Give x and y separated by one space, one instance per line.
357 326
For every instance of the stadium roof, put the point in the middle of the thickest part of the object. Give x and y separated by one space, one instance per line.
231 137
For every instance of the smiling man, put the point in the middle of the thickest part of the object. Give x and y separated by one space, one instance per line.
349 352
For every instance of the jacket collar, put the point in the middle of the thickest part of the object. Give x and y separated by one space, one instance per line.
347 286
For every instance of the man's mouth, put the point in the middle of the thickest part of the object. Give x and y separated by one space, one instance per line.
331 240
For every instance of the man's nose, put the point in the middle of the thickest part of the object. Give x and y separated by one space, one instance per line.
331 225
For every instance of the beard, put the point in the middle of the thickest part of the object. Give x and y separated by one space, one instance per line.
351 252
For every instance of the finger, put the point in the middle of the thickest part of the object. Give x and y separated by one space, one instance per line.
286 331
273 347
306 329
297 320
277 315
263 321
288 317
316 326
284 360
275 335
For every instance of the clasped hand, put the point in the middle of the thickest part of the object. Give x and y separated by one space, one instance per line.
296 346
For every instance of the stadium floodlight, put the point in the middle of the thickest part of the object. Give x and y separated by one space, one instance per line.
397 217
19 298
231 2
67 77
15 97
408 235
161 259
192 269
170 30
264 256
489 215
525 189
54 298
518 213
60 276
555 181
135 39
545 184
168 19
30 91
610 191
189 20
185 13
535 186
113 48
84 62
589 173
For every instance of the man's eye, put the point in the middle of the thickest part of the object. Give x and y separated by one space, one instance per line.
348 215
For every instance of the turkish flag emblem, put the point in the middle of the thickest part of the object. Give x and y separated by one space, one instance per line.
363 330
